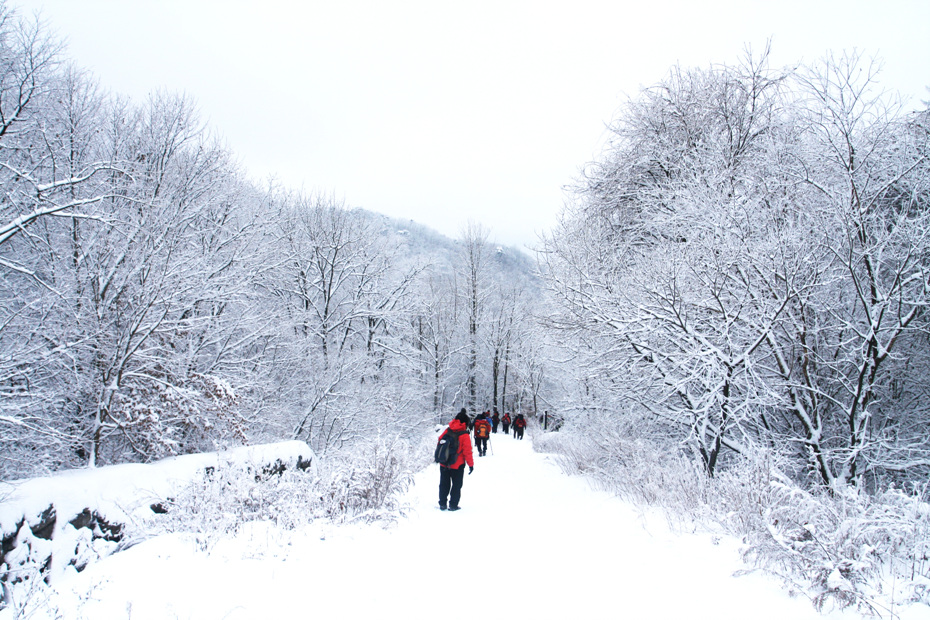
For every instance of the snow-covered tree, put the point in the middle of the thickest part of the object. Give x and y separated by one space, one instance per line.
473 282
745 260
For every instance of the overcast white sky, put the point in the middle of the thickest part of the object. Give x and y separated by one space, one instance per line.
447 112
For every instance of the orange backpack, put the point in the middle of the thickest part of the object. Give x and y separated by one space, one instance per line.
481 428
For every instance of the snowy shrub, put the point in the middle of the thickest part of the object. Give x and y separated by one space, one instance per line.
25 589
362 484
843 548
631 468
222 500
367 482
199 414
848 545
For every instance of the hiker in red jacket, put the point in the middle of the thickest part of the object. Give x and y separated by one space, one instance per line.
519 424
452 476
506 422
495 420
482 432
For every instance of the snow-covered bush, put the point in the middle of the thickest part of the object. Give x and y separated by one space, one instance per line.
844 548
223 500
633 469
364 483
850 547
194 414
367 483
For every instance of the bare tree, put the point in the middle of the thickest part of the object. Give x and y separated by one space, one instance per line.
339 304
474 282
869 178
436 324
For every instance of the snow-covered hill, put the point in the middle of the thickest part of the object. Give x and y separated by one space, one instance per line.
425 245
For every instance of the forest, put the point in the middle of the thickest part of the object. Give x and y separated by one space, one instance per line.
743 277
748 268
730 320
156 302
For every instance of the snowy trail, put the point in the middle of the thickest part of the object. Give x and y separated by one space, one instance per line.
529 542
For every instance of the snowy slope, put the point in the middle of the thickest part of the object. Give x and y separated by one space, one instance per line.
530 542
64 522
117 491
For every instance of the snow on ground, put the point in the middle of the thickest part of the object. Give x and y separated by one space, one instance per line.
529 542
118 491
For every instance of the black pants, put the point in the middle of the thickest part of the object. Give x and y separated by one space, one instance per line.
481 443
494 430
506 428
518 432
450 479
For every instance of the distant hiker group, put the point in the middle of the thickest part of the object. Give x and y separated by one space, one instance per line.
486 424
454 450
515 425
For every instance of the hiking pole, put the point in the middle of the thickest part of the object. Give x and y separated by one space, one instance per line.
491 445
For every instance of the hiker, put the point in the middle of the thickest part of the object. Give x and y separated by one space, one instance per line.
482 432
506 422
518 425
452 476
495 421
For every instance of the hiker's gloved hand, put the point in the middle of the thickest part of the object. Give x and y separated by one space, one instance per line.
470 469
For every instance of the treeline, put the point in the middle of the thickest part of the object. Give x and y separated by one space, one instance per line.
746 271
155 301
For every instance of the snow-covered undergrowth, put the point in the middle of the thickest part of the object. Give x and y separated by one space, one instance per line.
363 484
56 526
844 549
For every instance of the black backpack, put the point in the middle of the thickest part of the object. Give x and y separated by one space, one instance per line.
447 450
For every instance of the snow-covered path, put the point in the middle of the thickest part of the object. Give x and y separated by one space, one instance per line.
529 542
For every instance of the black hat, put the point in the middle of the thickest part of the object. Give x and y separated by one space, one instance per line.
462 416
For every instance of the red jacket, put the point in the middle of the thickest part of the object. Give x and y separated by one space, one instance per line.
482 423
464 456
